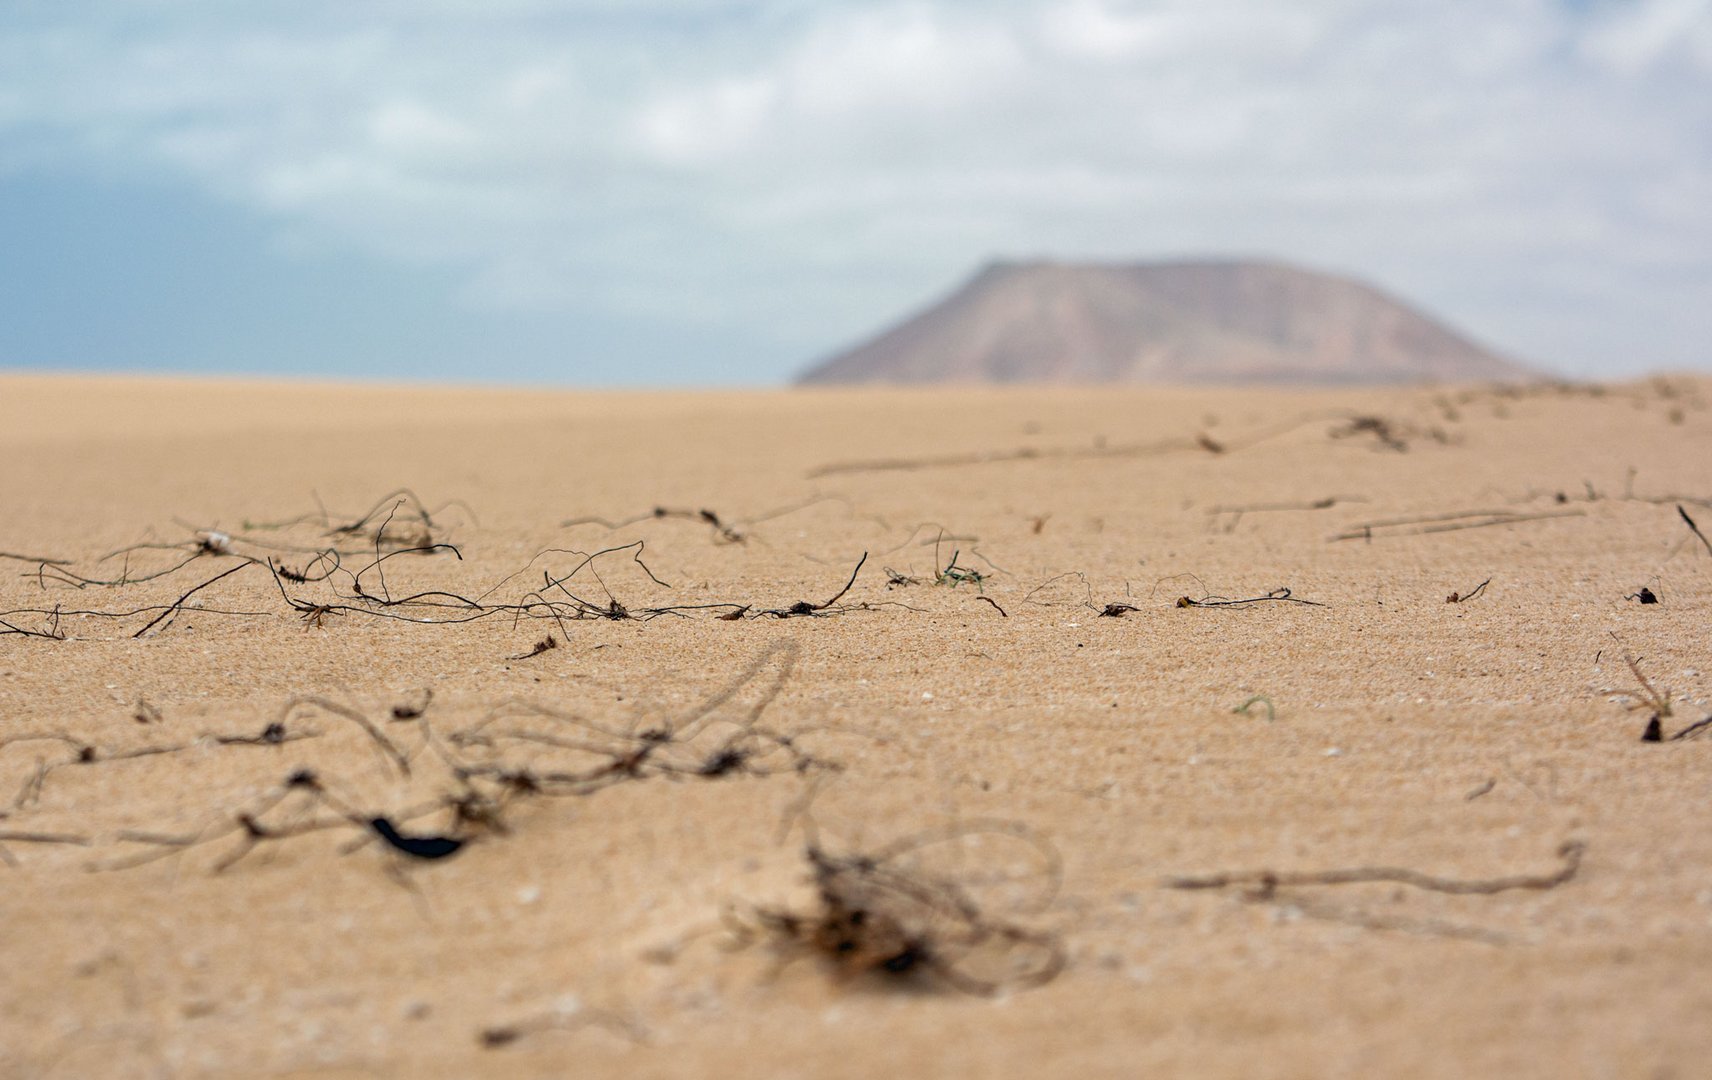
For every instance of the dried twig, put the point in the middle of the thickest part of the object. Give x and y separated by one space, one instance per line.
1279 595
38 559
386 746
1463 598
990 457
1693 729
1237 512
803 607
562 1020
1451 522
1269 881
173 608
545 644
1694 528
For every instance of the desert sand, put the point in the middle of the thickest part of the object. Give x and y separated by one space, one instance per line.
633 927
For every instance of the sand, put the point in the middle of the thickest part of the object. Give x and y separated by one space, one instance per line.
1466 740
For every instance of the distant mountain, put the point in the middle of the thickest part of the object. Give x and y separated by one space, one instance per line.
1193 322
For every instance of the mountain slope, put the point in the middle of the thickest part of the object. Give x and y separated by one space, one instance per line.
1213 321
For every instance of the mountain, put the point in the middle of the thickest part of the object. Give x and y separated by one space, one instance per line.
1193 322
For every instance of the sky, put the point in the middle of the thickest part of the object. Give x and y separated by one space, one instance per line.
720 192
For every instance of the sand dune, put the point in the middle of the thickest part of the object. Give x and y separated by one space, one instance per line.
634 893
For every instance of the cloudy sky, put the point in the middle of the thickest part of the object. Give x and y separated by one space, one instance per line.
720 191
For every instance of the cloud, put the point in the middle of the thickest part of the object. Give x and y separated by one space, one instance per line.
1540 170
1642 34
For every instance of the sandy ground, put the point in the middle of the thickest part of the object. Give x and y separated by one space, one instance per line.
603 926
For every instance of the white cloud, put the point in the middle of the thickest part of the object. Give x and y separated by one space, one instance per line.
1096 30
1643 33
808 168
